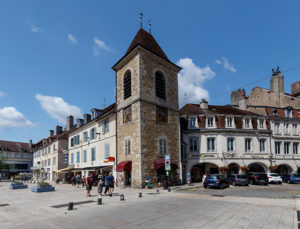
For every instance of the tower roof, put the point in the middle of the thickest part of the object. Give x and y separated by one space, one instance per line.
147 41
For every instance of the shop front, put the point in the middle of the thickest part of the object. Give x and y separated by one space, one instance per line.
125 167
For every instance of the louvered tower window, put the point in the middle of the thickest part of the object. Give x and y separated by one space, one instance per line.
160 85
127 84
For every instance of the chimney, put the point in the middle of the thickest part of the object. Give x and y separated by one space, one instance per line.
58 130
243 103
70 122
203 104
30 145
51 132
295 89
87 118
277 82
236 96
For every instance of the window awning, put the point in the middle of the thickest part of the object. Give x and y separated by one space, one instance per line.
124 166
160 163
64 169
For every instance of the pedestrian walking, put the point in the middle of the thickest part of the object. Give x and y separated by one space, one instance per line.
78 180
57 180
121 182
111 184
204 178
106 185
83 181
89 184
100 184
73 181
188 178
147 182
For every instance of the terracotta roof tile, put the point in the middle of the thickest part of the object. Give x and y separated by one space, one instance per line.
15 146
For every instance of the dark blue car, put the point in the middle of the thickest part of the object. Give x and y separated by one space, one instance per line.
238 179
291 178
215 181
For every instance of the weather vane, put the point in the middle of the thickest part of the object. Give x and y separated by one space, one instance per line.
149 22
141 19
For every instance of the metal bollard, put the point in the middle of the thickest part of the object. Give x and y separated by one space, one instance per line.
140 194
122 197
157 191
99 201
298 215
169 189
70 206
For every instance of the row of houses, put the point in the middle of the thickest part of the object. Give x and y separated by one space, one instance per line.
258 132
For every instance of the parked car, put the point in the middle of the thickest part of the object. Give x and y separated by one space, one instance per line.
291 178
238 179
274 178
257 178
216 181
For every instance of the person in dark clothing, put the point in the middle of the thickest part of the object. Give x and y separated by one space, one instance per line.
111 183
106 185
100 184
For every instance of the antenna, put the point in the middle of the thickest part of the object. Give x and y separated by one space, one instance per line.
149 22
141 19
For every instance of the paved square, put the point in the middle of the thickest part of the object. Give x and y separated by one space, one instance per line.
166 210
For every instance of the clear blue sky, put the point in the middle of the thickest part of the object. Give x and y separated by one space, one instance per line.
56 56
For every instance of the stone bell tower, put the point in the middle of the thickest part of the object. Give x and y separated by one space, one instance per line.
147 112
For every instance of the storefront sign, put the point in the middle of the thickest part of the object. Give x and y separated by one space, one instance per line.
66 158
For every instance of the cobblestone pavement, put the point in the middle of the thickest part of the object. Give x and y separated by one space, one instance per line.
29 210
275 191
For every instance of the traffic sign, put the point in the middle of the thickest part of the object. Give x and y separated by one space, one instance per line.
167 162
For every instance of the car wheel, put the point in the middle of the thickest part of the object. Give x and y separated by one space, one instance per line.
205 186
280 183
221 186
233 183
251 182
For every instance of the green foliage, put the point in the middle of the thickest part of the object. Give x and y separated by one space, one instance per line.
3 164
43 184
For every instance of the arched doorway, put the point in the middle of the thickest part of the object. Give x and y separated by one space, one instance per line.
234 168
257 167
198 170
283 169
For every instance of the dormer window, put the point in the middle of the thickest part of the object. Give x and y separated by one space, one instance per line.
192 122
288 112
210 121
247 122
261 123
229 121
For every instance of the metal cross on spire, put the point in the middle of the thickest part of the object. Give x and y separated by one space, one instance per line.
149 22
141 19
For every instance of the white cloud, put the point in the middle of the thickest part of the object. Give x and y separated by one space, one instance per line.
35 29
72 39
2 94
190 81
10 117
57 108
226 64
98 45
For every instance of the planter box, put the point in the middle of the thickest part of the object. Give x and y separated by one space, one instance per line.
18 186
43 189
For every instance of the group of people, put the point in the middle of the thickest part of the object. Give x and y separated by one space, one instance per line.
107 183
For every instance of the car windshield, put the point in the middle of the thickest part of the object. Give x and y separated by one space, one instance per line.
212 177
274 175
241 176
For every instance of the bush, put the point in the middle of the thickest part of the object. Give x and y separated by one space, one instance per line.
43 184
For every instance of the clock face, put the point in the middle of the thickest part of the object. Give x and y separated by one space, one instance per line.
161 114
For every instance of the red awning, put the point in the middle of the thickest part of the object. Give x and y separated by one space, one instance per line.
124 166
160 163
